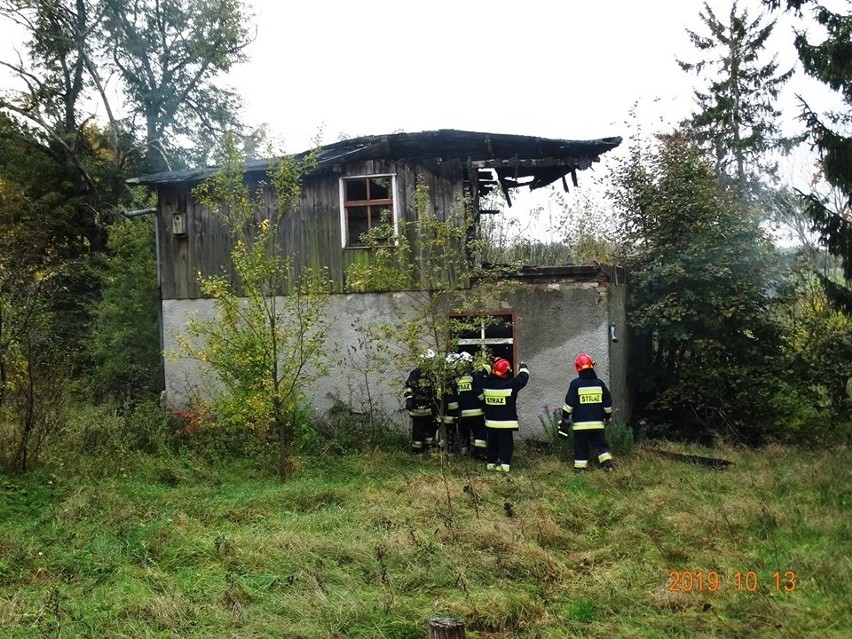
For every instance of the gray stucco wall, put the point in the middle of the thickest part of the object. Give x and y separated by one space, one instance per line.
345 355
553 323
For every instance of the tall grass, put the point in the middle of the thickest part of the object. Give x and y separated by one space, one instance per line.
373 545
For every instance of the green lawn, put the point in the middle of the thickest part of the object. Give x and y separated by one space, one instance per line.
373 546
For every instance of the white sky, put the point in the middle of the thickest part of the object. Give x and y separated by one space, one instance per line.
559 68
552 68
562 69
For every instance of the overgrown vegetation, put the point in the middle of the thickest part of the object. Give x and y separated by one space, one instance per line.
119 519
701 276
571 229
266 341
125 343
373 545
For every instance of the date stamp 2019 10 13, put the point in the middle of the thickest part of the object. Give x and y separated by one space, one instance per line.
742 581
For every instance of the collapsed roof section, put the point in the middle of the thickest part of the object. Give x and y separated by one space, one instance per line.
516 160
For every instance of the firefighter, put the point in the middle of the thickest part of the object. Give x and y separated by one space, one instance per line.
419 402
501 412
588 404
471 397
449 399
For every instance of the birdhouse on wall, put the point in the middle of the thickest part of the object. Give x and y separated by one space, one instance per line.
179 225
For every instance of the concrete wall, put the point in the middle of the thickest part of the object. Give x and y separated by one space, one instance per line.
554 321
619 351
345 355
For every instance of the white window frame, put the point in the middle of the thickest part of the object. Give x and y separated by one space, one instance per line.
344 234
488 341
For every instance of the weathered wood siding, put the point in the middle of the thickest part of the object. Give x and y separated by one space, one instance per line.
311 235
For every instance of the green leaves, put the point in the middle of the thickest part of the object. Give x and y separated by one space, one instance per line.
263 346
433 264
700 276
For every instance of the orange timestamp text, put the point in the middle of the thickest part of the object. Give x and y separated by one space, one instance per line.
742 581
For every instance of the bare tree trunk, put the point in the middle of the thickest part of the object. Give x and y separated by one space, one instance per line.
282 429
445 628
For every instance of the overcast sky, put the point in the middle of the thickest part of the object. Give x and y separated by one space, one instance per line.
559 68
562 69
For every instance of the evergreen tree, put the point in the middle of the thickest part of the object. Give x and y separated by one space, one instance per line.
831 63
737 119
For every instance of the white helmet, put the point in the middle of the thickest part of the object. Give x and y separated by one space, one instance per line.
452 358
466 357
428 354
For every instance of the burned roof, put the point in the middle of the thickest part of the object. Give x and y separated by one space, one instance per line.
514 158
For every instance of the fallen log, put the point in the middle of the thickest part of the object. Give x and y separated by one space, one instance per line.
710 462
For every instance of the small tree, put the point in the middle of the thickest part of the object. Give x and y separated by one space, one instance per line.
443 287
264 347
701 278
33 381
125 341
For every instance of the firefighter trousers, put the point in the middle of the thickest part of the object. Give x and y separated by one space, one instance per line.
595 438
501 445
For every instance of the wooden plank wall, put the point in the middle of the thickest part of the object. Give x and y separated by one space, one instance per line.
311 234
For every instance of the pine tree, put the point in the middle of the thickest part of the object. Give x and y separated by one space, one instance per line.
830 62
736 118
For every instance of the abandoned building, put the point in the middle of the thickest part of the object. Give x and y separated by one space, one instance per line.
551 316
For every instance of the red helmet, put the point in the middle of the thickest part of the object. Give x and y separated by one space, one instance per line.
583 362
501 367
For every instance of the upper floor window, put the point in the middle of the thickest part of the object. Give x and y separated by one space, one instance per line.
365 202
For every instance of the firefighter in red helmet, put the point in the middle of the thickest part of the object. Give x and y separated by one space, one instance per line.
588 404
501 412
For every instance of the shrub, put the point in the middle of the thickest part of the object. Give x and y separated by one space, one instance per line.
221 433
561 446
811 417
100 438
620 437
342 430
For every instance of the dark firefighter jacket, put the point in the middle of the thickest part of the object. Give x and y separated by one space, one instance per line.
588 402
470 393
501 399
450 400
418 395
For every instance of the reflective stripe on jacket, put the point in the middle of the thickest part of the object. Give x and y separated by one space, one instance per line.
470 394
419 391
588 402
501 399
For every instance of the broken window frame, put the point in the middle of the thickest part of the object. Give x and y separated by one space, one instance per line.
370 204
483 341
